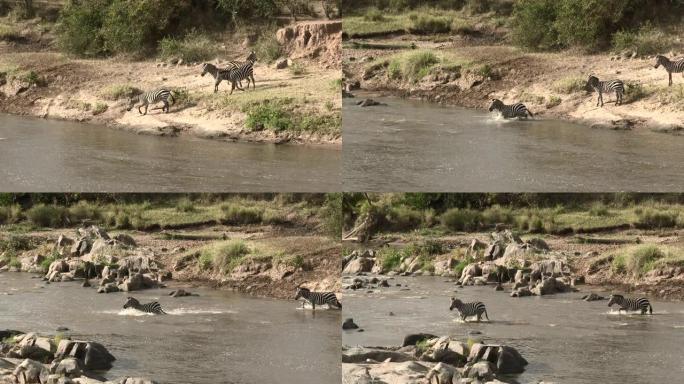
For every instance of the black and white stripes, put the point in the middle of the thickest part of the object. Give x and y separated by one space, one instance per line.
671 66
230 74
318 298
465 310
626 304
510 111
153 97
602 87
153 307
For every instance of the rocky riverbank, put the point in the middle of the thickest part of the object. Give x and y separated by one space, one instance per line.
36 81
470 72
426 358
524 266
27 358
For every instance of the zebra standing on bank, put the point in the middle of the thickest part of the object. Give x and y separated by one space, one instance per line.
602 87
230 74
510 111
670 66
237 64
153 97
476 308
246 69
153 307
639 304
319 298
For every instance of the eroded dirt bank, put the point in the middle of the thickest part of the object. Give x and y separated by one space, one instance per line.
36 80
473 70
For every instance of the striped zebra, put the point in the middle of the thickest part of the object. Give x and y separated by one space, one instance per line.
670 66
476 308
153 97
230 74
237 64
246 69
319 298
639 304
153 307
616 86
510 111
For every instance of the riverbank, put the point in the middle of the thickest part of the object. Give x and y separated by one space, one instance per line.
302 89
470 69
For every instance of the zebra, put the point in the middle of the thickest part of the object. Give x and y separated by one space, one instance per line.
510 111
476 308
152 97
246 69
616 86
639 304
153 307
319 298
237 64
670 66
230 74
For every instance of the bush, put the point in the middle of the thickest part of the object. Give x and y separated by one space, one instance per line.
637 260
373 14
461 219
120 91
479 6
418 65
297 69
270 114
237 214
267 47
636 91
47 215
404 218
193 47
223 256
569 85
185 205
599 209
332 213
16 243
554 101
653 218
533 24
10 214
429 24
79 27
646 41
83 211
390 258
100 108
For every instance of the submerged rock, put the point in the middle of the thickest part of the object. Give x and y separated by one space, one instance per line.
349 324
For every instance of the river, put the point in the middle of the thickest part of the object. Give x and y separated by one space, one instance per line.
38 155
411 145
565 339
218 337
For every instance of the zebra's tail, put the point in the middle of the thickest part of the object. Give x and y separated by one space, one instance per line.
650 309
530 113
173 99
486 315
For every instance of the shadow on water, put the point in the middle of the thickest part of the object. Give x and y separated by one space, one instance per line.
41 155
416 146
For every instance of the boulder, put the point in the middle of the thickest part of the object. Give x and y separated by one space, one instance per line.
545 287
361 354
359 264
482 370
134 380
439 351
31 371
521 292
125 239
349 324
108 288
413 338
592 297
509 361
494 251
69 367
282 64
94 356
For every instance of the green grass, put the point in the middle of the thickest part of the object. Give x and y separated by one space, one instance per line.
430 24
100 108
426 20
120 91
9 32
193 47
554 101
287 115
640 259
648 40
569 85
223 256
10 214
414 65
238 214
390 258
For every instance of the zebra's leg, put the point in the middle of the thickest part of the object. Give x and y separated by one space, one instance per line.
140 109
253 81
486 315
146 106
670 78
478 316
166 106
313 305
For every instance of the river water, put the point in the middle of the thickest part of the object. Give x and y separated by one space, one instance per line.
218 337
411 145
565 339
38 155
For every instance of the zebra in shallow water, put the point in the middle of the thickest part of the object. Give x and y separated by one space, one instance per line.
475 308
639 304
600 87
510 111
317 298
229 74
153 97
153 307
671 66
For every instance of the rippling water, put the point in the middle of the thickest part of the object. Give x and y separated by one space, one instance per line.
218 337
415 146
565 339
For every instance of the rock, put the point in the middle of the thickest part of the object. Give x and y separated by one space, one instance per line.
409 372
282 64
509 361
482 370
369 103
86 283
359 264
361 354
439 351
545 287
30 371
414 338
476 245
493 251
443 373
125 239
521 292
592 297
349 324
180 293
134 380
94 356
69 367
108 288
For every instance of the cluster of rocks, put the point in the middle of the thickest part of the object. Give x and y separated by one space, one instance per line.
27 358
360 282
424 358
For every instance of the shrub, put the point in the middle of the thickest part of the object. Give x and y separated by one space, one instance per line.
10 214
270 114
122 221
461 219
120 91
479 6
267 47
332 215
297 69
390 258
429 24
83 210
418 65
654 218
569 85
554 101
79 27
599 209
16 243
14 263
404 218
646 41
100 108
223 256
45 264
185 205
638 260
373 14
238 214
533 24
636 91
47 215
192 48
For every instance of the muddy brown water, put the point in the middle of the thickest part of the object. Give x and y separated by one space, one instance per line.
564 339
411 145
218 337
40 155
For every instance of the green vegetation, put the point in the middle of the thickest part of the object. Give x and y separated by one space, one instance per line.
120 91
647 40
429 24
223 256
569 85
100 108
10 214
414 65
284 114
237 214
43 215
390 258
9 32
193 47
554 101
639 260
297 69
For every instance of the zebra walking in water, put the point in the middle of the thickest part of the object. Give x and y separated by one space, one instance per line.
153 307
153 97
476 308
510 111
229 74
317 298
639 304
602 87
670 66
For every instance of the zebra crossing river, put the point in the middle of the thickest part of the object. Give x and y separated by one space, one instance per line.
217 337
42 155
566 340
409 145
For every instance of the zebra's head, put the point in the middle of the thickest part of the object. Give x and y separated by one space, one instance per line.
615 299
496 105
132 102
455 303
252 57
131 303
592 81
660 60
301 291
207 68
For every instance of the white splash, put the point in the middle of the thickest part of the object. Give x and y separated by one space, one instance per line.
129 312
191 311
